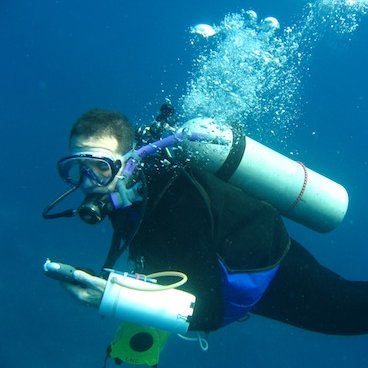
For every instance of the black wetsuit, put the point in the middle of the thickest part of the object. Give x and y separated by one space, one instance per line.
306 294
193 219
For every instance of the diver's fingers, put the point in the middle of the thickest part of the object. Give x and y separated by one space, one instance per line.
90 281
87 296
75 290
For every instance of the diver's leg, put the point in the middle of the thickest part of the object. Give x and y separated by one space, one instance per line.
308 295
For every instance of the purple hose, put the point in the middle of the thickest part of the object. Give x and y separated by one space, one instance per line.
154 147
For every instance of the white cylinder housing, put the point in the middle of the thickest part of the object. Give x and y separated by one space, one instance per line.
298 192
129 299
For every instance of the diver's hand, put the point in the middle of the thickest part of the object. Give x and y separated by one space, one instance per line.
88 290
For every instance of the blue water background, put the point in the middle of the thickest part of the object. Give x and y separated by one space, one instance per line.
60 58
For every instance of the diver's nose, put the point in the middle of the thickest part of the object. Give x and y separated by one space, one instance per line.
87 183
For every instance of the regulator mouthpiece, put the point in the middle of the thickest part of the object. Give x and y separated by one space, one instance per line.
94 209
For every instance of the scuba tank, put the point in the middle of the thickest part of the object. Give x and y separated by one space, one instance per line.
299 193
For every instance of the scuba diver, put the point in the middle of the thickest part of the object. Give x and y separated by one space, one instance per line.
230 250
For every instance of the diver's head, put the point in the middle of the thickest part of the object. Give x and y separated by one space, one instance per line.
102 162
100 125
98 141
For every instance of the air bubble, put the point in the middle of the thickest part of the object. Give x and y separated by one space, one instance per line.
250 77
204 30
269 24
252 17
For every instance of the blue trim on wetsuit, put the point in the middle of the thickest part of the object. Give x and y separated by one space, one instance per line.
242 290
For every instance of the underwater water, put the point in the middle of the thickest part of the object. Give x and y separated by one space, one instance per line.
297 85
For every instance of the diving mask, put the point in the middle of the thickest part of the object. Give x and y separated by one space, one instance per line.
98 165
93 171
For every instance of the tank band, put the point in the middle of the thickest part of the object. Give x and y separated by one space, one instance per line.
230 165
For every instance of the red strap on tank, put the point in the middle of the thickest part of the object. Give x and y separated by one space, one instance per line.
301 193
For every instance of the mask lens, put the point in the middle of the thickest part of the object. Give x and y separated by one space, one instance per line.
98 170
74 168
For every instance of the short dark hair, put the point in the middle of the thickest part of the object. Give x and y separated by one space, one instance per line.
99 122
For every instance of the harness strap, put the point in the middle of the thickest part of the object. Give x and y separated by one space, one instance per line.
115 251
